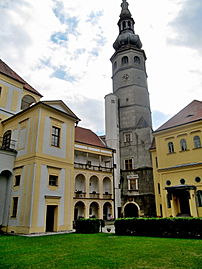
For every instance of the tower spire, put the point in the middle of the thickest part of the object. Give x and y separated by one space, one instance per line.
125 12
127 37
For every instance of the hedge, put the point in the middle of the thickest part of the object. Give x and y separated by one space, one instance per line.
160 227
88 226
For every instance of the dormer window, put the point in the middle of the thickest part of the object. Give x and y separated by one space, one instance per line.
27 101
124 60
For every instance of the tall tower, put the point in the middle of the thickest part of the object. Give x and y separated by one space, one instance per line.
133 121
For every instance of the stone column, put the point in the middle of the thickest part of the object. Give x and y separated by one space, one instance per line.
192 203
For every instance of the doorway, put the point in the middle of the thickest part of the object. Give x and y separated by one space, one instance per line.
51 218
131 211
183 197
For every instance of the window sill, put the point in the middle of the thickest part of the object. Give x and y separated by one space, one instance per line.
197 148
184 150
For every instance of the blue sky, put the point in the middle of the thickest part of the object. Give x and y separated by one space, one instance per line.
62 48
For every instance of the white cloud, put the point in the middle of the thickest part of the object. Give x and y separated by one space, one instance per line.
28 29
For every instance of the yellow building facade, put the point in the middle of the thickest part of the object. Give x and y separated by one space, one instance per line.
38 171
177 164
93 173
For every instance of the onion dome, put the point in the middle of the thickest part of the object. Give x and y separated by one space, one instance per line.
127 36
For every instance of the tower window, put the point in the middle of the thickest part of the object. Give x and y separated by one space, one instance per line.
197 142
124 25
0 90
115 65
128 164
183 145
128 137
132 184
124 60
129 24
136 60
170 147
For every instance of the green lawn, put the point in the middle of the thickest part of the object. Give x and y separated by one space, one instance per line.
98 251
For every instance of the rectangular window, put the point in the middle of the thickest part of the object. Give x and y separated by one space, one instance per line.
127 137
156 162
55 137
17 180
159 188
53 180
15 207
129 164
161 211
133 184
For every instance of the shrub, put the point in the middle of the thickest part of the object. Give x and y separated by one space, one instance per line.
88 226
161 227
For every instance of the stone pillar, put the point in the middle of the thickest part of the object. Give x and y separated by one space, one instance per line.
192 203
87 185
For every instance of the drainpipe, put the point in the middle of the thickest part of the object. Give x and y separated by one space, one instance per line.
113 183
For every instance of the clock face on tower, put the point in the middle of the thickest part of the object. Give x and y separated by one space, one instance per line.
125 77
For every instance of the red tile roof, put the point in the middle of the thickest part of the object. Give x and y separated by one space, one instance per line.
7 71
190 113
86 136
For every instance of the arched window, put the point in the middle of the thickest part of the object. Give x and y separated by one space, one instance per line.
80 184
197 142
124 60
115 65
170 147
94 185
6 140
129 24
136 60
124 25
183 144
27 100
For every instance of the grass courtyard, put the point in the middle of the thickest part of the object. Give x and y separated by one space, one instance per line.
98 251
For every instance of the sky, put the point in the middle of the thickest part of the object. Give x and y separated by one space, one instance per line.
63 48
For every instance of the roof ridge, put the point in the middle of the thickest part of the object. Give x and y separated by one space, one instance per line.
9 72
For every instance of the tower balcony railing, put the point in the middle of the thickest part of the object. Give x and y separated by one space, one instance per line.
80 194
93 167
7 145
94 195
107 196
